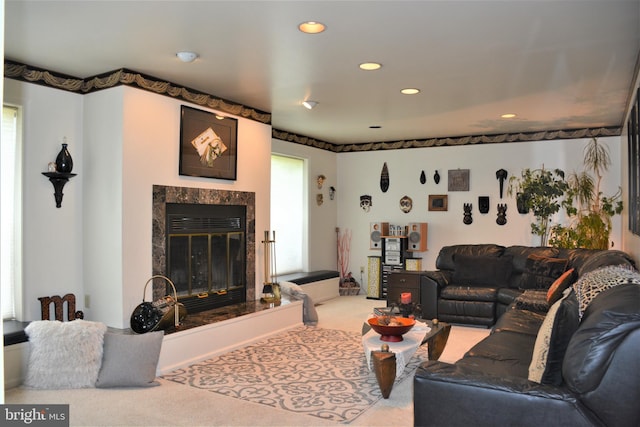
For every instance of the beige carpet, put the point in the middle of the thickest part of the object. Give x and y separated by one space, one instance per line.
173 404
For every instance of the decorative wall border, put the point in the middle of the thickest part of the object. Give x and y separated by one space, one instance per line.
18 71
447 142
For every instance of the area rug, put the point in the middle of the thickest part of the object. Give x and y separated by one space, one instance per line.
308 370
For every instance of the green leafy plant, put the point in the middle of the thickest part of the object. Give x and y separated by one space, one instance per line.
589 210
540 191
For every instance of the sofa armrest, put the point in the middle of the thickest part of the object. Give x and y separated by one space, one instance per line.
446 394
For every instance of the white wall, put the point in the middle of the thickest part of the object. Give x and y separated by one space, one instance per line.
123 141
322 219
52 248
359 173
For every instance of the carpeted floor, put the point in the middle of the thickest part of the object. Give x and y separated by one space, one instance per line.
308 370
174 404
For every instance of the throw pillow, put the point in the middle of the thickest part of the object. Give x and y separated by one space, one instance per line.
540 272
596 281
130 360
557 288
481 270
559 325
64 355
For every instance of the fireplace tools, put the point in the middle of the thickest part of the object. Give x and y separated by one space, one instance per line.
159 314
270 288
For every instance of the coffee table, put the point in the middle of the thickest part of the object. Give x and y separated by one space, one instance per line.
436 339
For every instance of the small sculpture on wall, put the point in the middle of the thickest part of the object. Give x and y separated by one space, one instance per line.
365 202
467 213
501 175
319 199
406 204
436 177
423 177
502 214
483 204
332 192
320 181
384 178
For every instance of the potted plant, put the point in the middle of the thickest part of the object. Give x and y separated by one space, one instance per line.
539 191
586 205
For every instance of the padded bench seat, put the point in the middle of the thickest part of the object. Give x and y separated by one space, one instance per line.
320 285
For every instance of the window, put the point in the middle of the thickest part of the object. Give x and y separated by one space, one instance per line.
288 212
10 213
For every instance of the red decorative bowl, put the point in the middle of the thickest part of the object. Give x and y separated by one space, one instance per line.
392 333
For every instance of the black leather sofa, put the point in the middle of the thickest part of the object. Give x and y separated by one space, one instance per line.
591 374
474 284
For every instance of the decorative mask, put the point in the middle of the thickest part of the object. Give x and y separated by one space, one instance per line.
365 203
406 204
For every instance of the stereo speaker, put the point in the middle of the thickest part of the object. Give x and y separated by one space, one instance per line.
376 231
417 237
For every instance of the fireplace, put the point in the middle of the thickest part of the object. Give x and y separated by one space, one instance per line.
205 254
204 240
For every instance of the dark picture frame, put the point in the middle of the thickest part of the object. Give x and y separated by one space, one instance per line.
458 180
208 144
438 202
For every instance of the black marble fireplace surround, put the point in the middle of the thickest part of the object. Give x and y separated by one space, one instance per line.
200 196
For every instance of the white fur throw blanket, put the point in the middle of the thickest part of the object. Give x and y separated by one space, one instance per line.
64 354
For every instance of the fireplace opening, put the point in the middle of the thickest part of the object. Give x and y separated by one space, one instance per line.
206 254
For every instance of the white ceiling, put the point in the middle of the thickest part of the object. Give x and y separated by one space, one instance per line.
564 64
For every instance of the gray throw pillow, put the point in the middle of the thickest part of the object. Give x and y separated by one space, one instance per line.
130 360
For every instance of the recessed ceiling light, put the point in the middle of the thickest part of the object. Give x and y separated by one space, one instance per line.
312 27
508 116
309 105
186 56
410 91
370 66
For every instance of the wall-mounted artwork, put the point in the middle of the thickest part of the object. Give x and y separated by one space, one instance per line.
208 144
458 180
438 202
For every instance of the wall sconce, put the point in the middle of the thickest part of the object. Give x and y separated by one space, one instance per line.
61 173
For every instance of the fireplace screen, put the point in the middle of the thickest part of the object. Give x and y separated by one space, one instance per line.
206 255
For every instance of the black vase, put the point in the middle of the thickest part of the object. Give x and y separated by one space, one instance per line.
64 162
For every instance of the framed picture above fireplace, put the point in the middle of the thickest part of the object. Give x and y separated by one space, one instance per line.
208 144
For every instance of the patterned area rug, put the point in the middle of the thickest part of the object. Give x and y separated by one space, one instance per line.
309 370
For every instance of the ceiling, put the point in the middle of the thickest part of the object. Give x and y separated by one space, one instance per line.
556 64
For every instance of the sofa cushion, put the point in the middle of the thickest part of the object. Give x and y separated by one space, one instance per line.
532 299
447 253
555 291
541 272
465 293
552 340
594 282
471 270
609 319
520 321
520 255
503 354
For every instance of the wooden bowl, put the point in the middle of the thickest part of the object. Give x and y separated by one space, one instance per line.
392 333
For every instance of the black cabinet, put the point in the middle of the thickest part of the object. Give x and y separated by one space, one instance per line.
423 290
